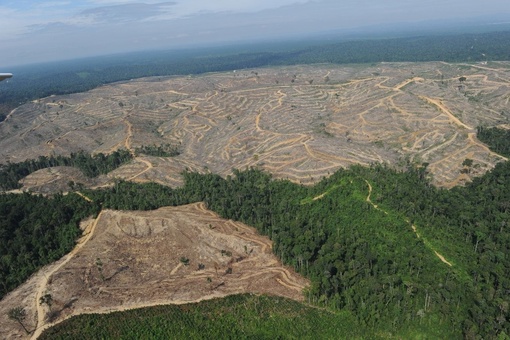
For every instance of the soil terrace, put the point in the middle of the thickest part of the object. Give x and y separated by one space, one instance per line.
300 123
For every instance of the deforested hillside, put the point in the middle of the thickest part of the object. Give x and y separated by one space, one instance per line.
300 123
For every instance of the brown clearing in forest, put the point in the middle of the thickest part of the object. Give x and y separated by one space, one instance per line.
151 258
300 122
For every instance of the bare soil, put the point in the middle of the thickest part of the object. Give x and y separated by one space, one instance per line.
134 259
300 123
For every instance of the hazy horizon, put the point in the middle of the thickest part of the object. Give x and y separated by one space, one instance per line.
42 31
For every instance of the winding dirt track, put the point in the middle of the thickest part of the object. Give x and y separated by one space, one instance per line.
447 112
83 196
413 227
43 283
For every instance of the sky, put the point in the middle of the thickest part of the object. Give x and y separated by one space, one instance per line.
34 31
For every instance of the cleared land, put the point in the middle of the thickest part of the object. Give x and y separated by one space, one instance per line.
127 260
299 123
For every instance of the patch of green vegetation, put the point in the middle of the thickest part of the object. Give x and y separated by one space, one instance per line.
234 317
475 98
164 150
321 129
498 140
379 143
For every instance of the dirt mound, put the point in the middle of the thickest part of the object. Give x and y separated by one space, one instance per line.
134 259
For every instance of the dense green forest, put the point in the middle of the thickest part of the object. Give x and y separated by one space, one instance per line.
233 317
498 140
368 238
35 231
91 166
37 81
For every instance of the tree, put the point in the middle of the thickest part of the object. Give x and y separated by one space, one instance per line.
46 299
467 162
18 314
71 185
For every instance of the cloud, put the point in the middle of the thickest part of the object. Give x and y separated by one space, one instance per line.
49 4
33 30
125 12
116 2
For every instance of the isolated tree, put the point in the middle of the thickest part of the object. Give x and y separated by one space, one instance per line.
71 185
467 162
46 299
18 314
461 79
